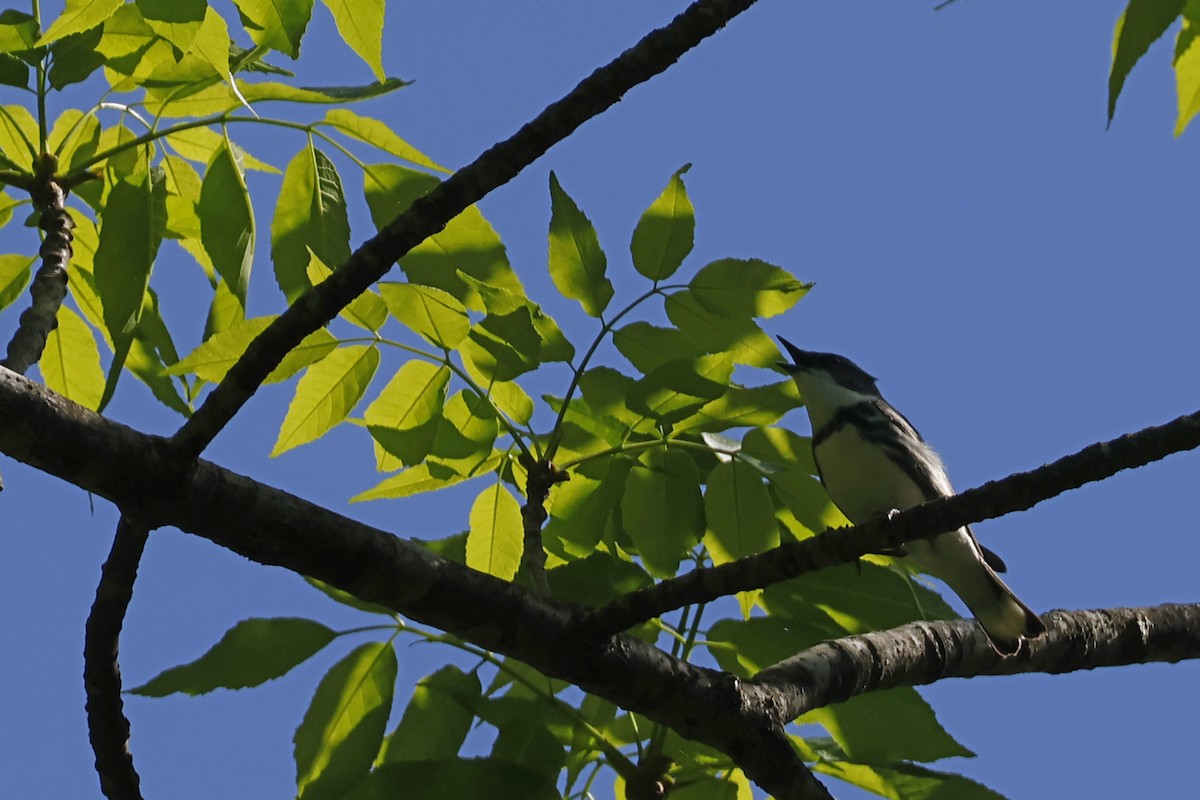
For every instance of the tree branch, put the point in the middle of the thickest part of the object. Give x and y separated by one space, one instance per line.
924 652
108 728
49 285
430 213
1017 492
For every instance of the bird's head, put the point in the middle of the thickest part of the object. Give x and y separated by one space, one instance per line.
826 373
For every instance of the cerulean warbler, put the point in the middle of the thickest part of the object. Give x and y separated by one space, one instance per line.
871 460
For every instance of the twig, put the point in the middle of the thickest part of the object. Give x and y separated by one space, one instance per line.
430 213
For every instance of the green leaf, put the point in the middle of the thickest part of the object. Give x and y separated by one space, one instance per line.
343 728
741 521
14 276
347 599
859 597
596 579
431 313
510 399
73 139
912 732
648 346
360 22
577 264
496 538
662 509
906 781
79 16
1139 26
404 417
366 311
711 333
309 216
419 479
18 135
212 359
250 653
131 230
18 32
177 21
675 390
437 719
463 442
454 778
734 287
780 448
326 394
320 95
200 144
581 507
666 231
468 244
743 407
74 58
227 221
378 134
277 24
502 347
1187 66
70 364
744 647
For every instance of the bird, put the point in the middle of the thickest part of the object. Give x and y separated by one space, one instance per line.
872 462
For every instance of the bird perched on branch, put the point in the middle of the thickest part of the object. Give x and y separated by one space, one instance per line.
871 460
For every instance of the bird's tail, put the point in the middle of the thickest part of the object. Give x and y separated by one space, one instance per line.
958 560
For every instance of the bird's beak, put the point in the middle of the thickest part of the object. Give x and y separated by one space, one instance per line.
800 357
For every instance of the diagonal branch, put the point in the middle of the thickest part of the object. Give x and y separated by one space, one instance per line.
429 214
1017 492
925 652
108 728
745 719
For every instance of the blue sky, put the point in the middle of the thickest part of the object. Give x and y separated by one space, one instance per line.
1021 279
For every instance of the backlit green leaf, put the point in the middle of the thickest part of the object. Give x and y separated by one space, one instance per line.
278 24
366 311
463 442
577 264
70 364
343 728
18 135
227 221
1187 67
434 314
649 346
14 276
454 778
662 510
468 244
739 336
419 479
502 347
130 232
326 393
437 718
79 16
378 134
320 95
360 22
74 138
739 513
496 538
250 653
734 287
1140 25
310 215
906 781
404 418
676 389
581 507
912 732
664 235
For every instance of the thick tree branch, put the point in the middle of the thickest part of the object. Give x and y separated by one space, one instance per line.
924 652
108 729
141 474
1017 492
430 214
